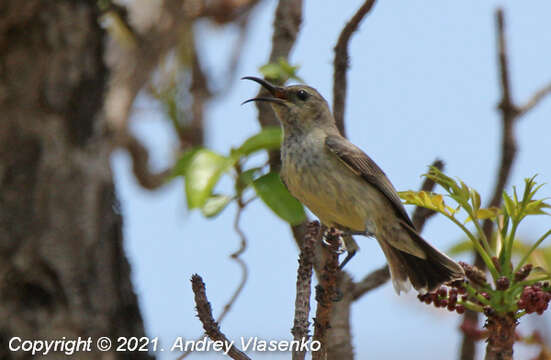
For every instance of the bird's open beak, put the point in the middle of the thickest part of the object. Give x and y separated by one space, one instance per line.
278 93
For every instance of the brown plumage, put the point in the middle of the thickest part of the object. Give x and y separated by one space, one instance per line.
346 189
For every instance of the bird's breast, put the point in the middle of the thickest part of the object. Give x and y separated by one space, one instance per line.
321 182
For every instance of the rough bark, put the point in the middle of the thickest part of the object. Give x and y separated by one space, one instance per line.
501 337
63 270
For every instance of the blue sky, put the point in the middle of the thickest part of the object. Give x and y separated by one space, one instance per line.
422 84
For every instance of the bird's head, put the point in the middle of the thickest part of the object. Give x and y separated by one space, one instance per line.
299 108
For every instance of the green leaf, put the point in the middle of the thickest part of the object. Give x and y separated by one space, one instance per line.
267 139
273 192
443 180
215 204
509 205
475 197
425 199
204 169
246 178
535 207
489 213
182 164
271 71
280 71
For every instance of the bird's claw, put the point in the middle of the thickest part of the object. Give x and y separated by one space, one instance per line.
342 245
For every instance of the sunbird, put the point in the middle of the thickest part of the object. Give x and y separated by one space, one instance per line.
346 190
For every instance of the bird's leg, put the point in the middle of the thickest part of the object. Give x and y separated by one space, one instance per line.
346 243
334 232
349 256
351 245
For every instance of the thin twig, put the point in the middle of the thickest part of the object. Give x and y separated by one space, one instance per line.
304 282
204 312
326 293
288 18
131 68
236 258
371 281
420 216
244 270
534 100
341 63
509 112
199 89
140 162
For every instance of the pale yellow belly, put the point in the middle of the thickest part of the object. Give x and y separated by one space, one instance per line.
337 198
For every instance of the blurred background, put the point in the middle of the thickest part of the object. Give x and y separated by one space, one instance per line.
423 83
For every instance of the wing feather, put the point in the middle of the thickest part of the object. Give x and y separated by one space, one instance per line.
362 165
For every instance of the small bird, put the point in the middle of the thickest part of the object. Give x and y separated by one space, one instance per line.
346 190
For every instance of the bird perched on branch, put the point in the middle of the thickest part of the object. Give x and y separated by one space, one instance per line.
341 185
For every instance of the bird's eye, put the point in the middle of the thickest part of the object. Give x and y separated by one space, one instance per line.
302 95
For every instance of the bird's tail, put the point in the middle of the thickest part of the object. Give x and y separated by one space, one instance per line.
424 274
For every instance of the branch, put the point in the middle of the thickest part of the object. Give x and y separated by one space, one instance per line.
371 281
341 63
287 21
204 312
131 66
509 112
534 100
288 18
140 162
506 104
326 293
235 256
193 134
304 282
240 262
420 216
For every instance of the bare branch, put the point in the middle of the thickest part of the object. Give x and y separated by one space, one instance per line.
372 281
240 262
288 18
506 104
341 63
234 256
534 100
192 134
304 282
140 162
326 293
509 112
204 312
421 214
380 276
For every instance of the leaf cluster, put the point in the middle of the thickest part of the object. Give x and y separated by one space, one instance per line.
497 251
202 170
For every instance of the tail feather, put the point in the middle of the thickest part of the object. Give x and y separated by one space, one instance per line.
424 274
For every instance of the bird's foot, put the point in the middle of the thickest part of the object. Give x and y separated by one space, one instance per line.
334 232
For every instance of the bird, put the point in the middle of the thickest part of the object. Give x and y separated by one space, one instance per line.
347 190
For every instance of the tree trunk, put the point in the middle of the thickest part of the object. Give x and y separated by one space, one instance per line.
63 271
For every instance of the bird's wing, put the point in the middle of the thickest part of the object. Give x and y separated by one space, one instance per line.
362 165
